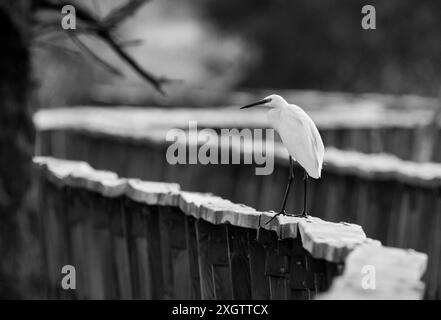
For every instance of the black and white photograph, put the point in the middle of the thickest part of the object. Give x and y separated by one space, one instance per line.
220 154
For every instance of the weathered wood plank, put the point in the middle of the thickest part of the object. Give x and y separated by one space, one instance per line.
154 253
394 274
238 254
205 267
121 252
135 215
328 240
105 262
153 193
259 283
56 240
91 271
276 266
230 263
301 278
191 238
76 225
218 259
175 254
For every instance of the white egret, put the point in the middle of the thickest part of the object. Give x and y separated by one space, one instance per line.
300 136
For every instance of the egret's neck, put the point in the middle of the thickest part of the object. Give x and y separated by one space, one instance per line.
274 117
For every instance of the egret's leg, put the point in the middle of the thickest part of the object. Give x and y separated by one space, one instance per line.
305 182
288 187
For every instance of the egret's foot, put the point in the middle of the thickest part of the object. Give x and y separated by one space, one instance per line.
292 215
302 215
283 213
298 215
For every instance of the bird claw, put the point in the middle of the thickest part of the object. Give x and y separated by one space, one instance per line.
284 213
299 215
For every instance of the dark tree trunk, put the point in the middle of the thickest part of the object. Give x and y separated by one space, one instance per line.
16 139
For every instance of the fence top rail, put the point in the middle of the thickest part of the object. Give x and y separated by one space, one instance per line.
334 242
361 116
325 240
100 121
380 273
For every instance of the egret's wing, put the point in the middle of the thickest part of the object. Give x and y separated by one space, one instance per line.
302 139
317 142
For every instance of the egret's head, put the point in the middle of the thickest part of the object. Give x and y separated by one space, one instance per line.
272 101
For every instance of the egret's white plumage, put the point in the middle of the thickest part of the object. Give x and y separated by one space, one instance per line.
299 134
297 131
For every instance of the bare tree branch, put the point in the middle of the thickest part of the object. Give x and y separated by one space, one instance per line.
102 28
77 41
119 14
131 43
155 81
41 43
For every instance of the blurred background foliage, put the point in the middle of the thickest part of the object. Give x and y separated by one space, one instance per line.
247 44
321 45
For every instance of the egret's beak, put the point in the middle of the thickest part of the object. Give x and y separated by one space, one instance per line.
256 103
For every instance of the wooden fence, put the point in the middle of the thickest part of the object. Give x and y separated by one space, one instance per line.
411 134
131 239
397 202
